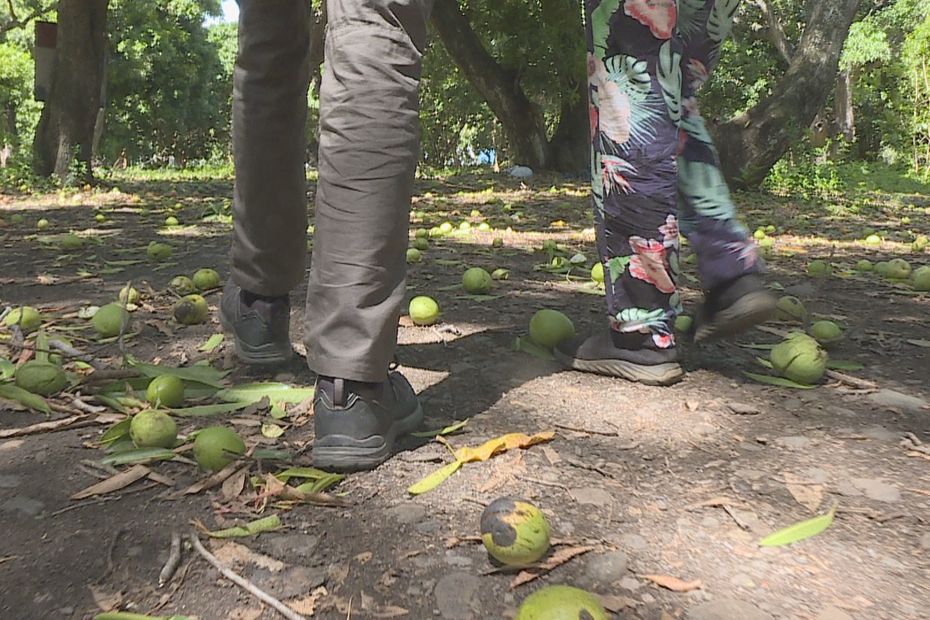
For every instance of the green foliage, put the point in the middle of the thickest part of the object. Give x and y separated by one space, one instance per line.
18 113
169 89
539 42
455 123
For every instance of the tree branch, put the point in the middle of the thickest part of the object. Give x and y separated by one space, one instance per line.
15 22
498 86
777 34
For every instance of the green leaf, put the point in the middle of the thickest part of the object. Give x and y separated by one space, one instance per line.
266 454
112 403
139 455
778 381
434 479
526 345
799 531
252 528
764 362
278 412
275 392
121 445
311 473
448 262
317 480
115 432
206 411
7 368
206 375
24 397
271 431
844 365
452 428
212 343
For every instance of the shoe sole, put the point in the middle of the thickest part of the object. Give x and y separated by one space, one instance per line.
658 374
747 312
265 355
348 458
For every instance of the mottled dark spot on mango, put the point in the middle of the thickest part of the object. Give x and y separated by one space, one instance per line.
502 533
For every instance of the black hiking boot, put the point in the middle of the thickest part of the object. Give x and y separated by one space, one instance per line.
260 325
600 354
357 424
733 308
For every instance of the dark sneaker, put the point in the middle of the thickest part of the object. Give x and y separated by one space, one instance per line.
261 327
733 308
599 354
357 424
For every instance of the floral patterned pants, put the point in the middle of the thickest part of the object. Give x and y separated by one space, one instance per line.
654 165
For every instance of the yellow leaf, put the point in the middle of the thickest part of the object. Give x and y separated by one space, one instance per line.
483 452
435 479
501 444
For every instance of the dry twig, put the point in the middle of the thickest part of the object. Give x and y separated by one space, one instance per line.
174 559
243 583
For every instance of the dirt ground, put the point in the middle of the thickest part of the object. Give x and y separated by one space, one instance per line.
644 484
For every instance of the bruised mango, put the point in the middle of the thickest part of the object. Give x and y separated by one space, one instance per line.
514 531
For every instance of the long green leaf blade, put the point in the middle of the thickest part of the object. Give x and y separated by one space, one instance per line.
24 397
254 392
799 531
206 375
265 524
778 381
206 411
435 479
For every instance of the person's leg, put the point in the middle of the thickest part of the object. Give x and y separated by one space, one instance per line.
728 263
269 246
369 146
635 111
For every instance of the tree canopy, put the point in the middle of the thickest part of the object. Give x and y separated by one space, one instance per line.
507 77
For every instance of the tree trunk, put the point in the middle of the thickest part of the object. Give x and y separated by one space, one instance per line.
66 127
845 112
523 122
777 34
751 143
569 149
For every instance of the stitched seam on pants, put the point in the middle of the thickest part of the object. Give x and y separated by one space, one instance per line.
350 22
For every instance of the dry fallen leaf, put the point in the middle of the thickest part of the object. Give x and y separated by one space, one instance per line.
615 603
105 599
115 482
808 495
505 469
381 611
233 554
307 605
214 479
674 583
558 558
234 485
250 613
